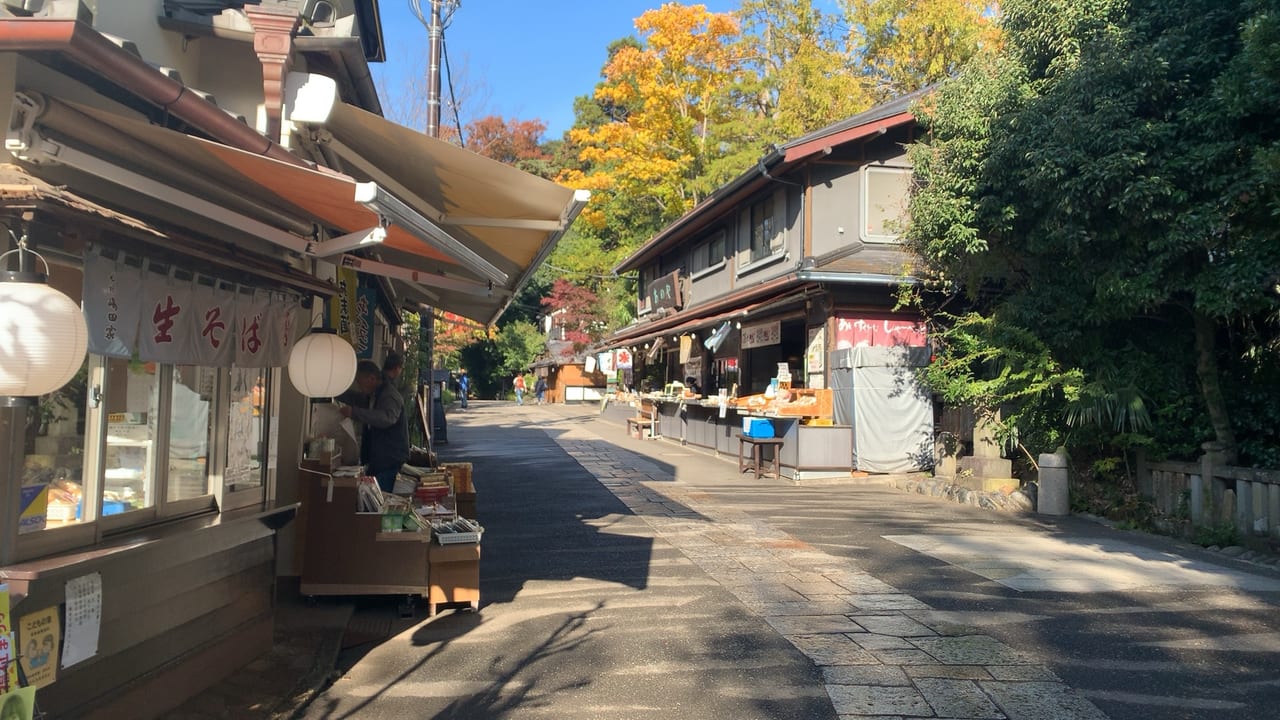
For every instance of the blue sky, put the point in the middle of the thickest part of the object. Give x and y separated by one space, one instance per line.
521 58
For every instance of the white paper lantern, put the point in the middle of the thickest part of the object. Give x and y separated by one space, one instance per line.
322 364
43 338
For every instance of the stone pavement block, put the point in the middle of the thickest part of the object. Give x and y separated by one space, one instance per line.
803 607
893 601
957 699
955 672
1041 701
892 625
969 650
903 657
812 624
832 650
862 583
810 589
1037 673
878 700
872 641
864 675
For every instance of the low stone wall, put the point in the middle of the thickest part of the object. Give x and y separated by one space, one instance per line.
1005 500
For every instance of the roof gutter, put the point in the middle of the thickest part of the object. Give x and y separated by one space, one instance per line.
839 278
92 50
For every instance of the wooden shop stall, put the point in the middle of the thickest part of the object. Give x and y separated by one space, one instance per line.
422 543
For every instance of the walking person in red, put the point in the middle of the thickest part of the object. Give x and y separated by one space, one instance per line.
520 387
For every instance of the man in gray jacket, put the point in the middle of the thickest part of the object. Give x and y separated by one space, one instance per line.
385 445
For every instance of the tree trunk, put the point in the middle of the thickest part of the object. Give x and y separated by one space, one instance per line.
1210 387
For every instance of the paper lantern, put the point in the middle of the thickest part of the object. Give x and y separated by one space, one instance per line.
322 364
43 338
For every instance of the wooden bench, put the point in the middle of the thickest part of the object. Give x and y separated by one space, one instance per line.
757 455
646 418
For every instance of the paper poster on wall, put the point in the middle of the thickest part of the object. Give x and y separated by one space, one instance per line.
84 619
40 635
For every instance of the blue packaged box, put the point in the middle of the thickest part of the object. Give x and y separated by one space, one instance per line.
757 427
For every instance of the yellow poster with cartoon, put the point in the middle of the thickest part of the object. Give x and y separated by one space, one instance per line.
39 652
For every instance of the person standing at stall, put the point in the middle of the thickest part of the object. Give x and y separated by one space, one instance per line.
385 447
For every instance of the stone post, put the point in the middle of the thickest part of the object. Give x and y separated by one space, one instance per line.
1213 457
1053 497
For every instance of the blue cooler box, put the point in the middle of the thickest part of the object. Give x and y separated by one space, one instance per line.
757 427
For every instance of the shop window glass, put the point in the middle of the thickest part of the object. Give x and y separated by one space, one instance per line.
709 254
129 460
246 429
763 229
53 458
885 194
191 427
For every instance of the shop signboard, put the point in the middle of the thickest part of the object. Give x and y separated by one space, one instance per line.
622 358
879 332
816 352
761 334
665 292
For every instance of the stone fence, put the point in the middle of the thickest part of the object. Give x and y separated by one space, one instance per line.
1210 492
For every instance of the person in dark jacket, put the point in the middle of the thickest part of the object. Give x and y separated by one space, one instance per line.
540 390
379 406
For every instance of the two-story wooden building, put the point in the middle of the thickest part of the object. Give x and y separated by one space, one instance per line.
208 179
793 268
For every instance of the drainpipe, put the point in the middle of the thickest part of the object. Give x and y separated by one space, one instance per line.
92 50
273 29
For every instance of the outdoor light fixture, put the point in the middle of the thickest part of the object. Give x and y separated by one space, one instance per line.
43 335
390 209
322 364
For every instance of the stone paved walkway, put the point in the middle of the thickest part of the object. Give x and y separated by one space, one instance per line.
883 653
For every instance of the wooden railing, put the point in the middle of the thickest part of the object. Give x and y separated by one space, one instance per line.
1210 492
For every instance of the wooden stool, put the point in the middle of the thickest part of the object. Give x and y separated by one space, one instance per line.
757 455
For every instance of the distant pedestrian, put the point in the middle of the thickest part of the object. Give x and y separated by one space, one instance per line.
519 385
464 387
540 390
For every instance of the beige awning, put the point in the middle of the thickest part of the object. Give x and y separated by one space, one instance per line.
471 274
510 217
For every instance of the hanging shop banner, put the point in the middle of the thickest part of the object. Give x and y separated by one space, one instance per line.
286 333
879 332
168 319
622 358
253 322
342 306
655 348
761 335
362 323
816 352
607 363
111 305
716 339
8 654
214 343
686 347
693 369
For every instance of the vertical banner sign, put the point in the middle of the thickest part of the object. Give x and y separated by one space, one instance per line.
40 636
362 323
622 358
253 328
286 329
342 305
8 654
168 321
815 354
606 363
112 305
214 342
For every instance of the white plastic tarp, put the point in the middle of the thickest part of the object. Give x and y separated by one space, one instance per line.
892 414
